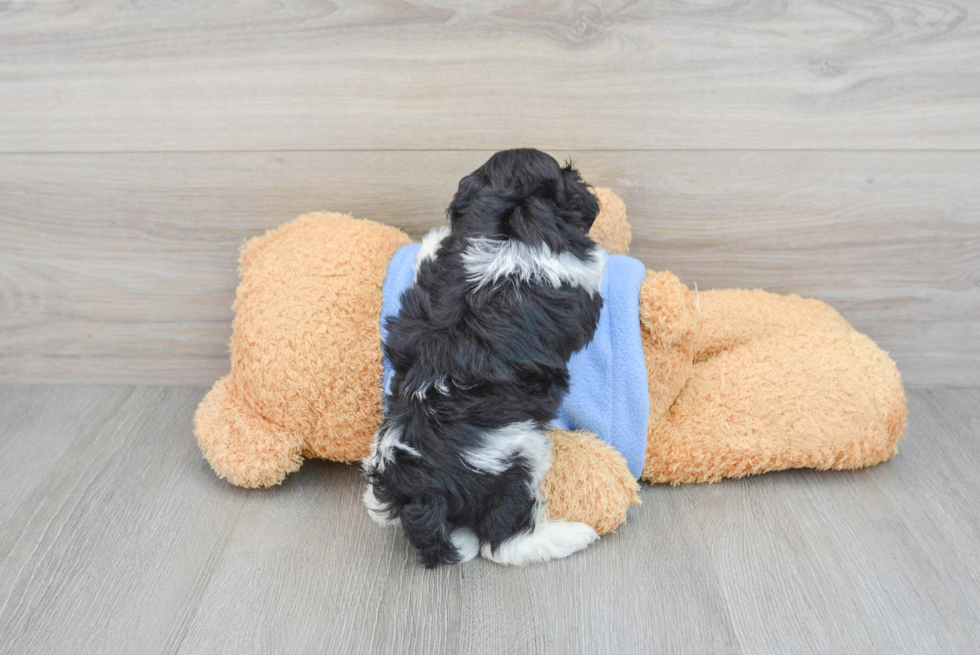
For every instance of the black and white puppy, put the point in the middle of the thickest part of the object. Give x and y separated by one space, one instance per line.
502 298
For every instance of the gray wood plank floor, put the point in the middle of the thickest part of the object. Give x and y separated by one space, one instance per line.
115 537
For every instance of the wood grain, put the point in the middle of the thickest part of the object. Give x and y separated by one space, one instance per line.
112 549
33 436
307 559
944 481
120 268
387 74
125 541
852 561
825 149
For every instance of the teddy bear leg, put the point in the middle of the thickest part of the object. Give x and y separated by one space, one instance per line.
240 445
821 396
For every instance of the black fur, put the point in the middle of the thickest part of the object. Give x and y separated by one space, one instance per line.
501 351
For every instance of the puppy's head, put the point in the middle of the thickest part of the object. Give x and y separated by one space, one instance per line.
525 194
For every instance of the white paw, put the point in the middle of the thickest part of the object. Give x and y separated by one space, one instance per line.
550 540
467 543
375 510
577 535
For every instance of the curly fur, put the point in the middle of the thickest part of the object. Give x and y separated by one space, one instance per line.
480 349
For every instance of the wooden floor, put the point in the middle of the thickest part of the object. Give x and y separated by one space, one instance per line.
830 149
116 537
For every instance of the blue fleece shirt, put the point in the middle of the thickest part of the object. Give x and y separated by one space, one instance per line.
607 393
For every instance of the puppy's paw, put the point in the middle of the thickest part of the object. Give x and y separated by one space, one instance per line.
550 540
375 510
569 537
467 544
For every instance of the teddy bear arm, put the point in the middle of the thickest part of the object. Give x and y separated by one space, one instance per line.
589 482
670 326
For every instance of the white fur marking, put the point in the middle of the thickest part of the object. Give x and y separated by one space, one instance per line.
375 510
502 445
488 260
467 543
420 394
382 453
429 247
440 385
549 540
383 446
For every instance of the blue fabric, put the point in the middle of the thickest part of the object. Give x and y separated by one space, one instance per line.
608 393
400 276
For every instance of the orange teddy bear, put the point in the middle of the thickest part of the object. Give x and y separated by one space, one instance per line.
740 382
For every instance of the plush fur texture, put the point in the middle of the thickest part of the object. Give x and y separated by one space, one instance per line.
588 482
752 382
480 351
789 384
305 350
611 230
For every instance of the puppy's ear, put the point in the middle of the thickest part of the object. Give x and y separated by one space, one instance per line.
469 186
580 205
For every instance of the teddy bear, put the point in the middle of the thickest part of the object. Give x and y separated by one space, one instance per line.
738 382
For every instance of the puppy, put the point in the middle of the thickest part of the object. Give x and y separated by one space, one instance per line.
502 298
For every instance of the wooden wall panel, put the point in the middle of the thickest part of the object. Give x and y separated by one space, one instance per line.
121 268
81 75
